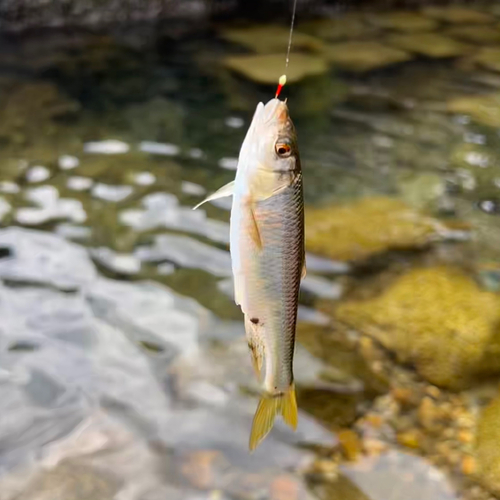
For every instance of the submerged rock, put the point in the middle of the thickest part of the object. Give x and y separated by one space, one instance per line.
364 56
458 15
364 228
269 39
436 318
428 44
487 452
484 109
406 21
267 69
476 33
489 57
346 26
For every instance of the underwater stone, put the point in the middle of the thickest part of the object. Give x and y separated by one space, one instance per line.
406 21
361 229
475 34
267 69
363 56
428 44
488 57
269 39
436 318
340 27
458 15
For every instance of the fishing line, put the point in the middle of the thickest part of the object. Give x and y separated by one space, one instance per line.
282 79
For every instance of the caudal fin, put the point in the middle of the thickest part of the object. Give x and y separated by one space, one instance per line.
269 406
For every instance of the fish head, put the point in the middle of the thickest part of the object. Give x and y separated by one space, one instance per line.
274 138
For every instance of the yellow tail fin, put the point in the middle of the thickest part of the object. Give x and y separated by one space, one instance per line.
267 409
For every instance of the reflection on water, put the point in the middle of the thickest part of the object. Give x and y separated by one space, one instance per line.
123 367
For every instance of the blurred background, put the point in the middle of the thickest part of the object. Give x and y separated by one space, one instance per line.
124 373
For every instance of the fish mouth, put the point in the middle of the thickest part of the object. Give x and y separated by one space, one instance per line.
276 110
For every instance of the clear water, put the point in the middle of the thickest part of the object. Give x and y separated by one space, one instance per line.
116 388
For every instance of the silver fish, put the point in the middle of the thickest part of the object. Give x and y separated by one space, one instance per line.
267 255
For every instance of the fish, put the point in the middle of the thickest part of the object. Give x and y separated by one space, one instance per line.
268 256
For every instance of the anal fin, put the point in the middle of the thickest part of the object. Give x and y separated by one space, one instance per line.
255 345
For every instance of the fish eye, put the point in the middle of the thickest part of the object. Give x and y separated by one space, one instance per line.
283 149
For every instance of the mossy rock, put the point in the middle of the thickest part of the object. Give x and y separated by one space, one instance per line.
364 56
368 227
487 451
488 57
436 318
475 33
266 69
458 15
483 109
406 21
269 39
428 44
348 26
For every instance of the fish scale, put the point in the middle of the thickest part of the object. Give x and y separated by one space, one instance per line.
281 222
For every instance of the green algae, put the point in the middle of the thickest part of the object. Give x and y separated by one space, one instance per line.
363 56
266 69
269 39
428 44
405 21
437 319
364 228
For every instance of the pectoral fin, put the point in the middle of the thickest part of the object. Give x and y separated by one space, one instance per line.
253 229
224 191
